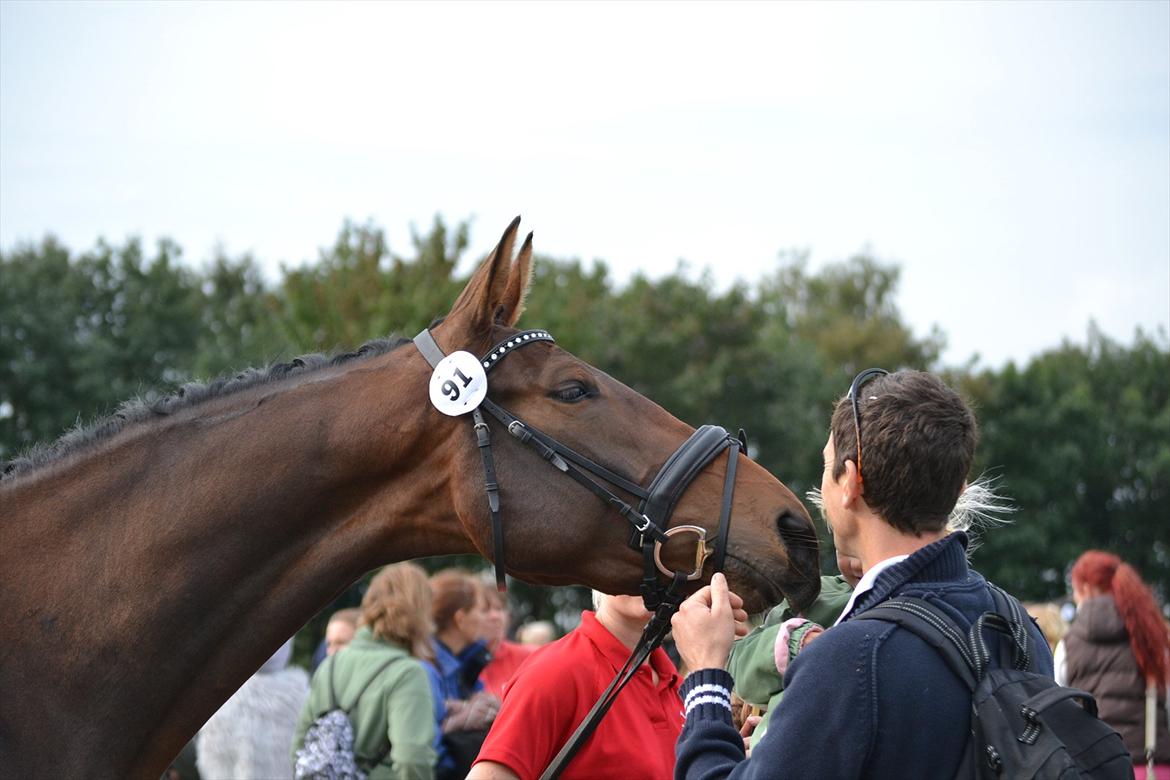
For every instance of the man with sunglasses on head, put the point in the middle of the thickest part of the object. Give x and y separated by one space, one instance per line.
867 698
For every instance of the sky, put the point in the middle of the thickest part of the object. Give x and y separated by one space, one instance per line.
1013 159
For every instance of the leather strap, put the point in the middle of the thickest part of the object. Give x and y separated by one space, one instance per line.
429 347
725 504
492 487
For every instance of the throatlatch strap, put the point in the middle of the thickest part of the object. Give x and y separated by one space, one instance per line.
484 439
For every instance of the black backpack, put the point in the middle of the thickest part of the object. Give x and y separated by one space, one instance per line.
1022 723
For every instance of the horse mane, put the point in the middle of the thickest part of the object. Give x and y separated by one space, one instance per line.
141 410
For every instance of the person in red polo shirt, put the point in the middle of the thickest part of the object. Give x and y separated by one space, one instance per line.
506 656
555 688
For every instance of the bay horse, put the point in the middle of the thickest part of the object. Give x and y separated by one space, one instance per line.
150 564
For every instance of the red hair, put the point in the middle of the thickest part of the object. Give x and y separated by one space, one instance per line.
1148 638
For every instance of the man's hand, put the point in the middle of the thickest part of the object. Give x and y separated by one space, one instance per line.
707 623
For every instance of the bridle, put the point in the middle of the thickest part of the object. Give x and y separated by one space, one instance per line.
649 522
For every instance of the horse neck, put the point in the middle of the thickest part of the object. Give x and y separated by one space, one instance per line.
207 539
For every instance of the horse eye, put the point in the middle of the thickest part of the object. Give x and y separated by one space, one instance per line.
572 393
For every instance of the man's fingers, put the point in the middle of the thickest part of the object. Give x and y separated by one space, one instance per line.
719 591
701 597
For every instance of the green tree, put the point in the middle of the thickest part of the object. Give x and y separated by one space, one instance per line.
1081 439
820 330
239 322
79 336
360 290
849 311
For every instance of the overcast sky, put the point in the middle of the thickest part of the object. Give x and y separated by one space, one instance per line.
1013 159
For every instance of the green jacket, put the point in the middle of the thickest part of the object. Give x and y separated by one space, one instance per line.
397 706
753 660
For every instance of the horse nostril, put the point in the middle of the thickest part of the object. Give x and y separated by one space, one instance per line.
796 531
790 522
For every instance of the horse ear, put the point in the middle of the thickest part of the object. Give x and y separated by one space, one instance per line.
513 304
495 293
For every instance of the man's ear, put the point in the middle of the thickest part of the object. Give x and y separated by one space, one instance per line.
852 487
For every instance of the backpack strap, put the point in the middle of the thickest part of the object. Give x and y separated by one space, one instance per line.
923 619
1023 658
332 694
370 763
369 682
966 652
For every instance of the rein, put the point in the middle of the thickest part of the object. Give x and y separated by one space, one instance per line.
649 522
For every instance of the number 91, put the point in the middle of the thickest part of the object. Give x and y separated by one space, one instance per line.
451 390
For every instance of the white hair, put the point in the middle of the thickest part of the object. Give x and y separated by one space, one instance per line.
598 597
979 508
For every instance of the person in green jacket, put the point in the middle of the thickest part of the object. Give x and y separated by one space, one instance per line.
394 714
753 664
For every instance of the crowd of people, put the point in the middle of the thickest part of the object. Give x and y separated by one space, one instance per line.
435 687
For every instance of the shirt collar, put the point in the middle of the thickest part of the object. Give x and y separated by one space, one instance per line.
867 580
944 560
617 654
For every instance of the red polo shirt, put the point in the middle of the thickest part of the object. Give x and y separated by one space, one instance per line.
506 659
558 685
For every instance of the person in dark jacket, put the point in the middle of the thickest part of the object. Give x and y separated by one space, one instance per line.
867 698
464 711
1116 649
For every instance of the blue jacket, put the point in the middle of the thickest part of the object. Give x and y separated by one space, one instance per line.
866 699
449 676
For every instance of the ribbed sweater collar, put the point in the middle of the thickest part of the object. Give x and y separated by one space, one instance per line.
941 561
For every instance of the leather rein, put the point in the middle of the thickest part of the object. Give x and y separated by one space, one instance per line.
649 522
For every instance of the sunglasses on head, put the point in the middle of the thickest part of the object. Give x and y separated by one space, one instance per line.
854 389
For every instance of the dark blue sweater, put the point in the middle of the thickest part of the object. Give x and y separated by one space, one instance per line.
866 699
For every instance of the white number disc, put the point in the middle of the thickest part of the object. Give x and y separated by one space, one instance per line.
458 384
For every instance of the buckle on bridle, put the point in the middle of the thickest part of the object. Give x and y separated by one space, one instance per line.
703 551
642 525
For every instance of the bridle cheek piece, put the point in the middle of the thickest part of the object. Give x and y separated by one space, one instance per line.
649 523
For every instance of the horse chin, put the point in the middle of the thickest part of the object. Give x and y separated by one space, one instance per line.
761 590
802 594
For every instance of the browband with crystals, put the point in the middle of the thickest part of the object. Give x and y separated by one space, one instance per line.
520 339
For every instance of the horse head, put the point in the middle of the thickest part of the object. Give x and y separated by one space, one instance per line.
556 531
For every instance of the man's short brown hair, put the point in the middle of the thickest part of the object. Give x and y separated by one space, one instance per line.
918 441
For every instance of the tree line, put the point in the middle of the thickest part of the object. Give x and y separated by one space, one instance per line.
1078 437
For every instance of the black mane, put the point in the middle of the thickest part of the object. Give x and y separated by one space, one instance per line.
140 409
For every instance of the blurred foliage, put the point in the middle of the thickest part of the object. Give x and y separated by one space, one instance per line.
1080 436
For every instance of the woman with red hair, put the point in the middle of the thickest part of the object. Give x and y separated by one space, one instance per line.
1117 648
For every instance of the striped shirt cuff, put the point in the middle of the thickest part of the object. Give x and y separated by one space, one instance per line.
707 694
